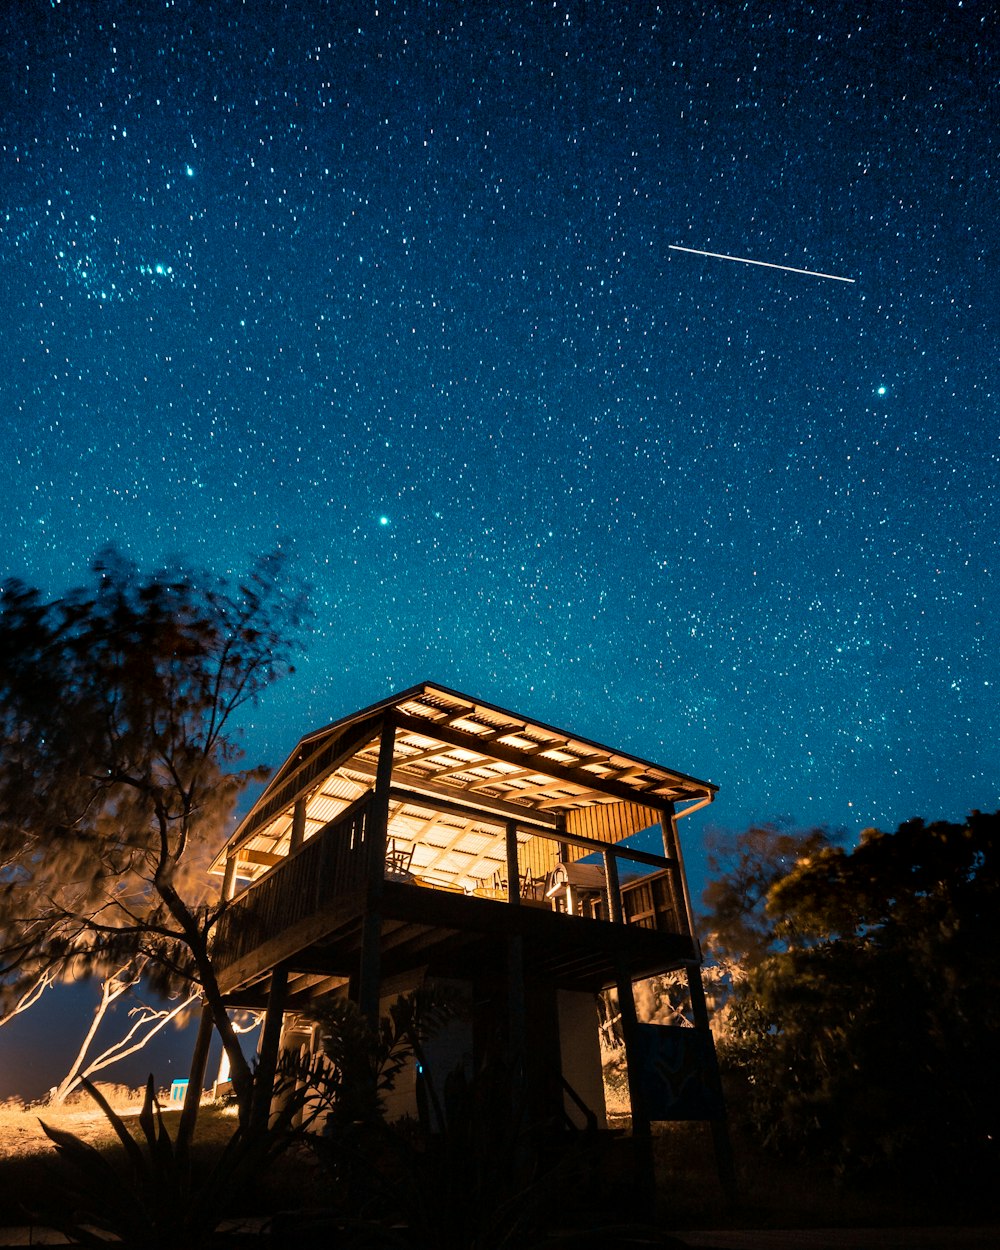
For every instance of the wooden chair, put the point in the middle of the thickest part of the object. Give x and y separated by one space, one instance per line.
532 887
397 859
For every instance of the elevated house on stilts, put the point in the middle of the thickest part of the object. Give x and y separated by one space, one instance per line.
435 837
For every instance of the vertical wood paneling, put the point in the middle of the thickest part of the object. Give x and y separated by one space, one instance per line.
608 822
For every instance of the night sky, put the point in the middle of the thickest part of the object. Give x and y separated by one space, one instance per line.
390 287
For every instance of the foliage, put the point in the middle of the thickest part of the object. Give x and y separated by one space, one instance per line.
364 1063
359 1064
480 1182
744 867
118 754
867 1034
471 1175
159 1200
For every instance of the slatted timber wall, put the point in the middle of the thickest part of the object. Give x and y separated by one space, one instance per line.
608 822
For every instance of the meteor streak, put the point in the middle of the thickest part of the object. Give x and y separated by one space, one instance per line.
766 264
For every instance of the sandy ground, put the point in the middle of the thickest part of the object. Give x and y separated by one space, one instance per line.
21 1131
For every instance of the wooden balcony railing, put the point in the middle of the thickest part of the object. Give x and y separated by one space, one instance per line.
331 863
334 863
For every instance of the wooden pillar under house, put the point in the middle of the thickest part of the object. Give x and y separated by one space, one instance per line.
516 1017
641 1128
724 1161
270 1042
369 972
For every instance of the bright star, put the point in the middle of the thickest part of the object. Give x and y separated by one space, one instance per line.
882 390
383 520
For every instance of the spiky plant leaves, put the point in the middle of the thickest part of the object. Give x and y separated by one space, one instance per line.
157 1202
96 1181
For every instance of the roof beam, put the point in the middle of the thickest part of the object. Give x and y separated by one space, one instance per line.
485 807
283 791
498 779
458 768
267 858
512 755
424 755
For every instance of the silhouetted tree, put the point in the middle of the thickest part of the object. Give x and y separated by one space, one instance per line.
743 867
868 1025
143 1024
118 754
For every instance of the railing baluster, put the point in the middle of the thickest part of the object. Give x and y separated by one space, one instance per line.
329 863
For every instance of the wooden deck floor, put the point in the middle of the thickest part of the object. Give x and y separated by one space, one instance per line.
453 934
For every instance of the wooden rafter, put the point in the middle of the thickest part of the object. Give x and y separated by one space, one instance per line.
514 756
530 792
587 796
447 850
266 858
429 753
455 769
497 779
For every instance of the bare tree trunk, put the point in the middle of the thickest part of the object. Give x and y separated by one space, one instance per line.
112 988
197 941
126 1046
30 996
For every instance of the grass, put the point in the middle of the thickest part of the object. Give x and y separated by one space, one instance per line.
773 1193
31 1172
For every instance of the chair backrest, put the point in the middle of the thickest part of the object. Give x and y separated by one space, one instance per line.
398 858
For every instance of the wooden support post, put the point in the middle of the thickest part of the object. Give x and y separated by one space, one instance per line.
724 1163
298 835
679 899
516 1017
516 1011
561 828
614 888
229 877
513 868
196 1076
371 927
630 1022
267 1054
641 1129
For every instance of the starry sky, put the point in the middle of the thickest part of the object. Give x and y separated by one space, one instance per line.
390 286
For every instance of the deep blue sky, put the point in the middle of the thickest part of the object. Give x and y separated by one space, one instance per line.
389 285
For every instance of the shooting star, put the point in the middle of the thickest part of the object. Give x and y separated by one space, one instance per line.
766 264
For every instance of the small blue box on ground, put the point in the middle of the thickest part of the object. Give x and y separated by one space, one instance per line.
178 1089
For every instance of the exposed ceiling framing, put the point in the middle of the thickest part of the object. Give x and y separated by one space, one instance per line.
481 765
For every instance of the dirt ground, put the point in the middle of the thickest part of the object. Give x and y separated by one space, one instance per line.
21 1132
33 1179
771 1196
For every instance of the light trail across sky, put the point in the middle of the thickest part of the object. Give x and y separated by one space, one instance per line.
766 264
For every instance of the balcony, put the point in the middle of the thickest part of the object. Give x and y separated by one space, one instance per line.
585 913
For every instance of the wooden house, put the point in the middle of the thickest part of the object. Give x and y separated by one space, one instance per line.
433 836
